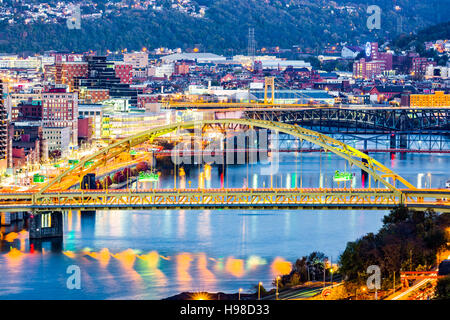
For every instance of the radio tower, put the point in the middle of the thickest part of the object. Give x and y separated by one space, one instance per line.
399 24
251 49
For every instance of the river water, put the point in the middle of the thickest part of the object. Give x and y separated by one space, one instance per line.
156 254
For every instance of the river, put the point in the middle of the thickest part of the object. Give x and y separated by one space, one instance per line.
156 254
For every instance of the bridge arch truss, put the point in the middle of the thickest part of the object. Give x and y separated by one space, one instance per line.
375 169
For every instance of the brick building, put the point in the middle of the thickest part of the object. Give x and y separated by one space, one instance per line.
375 64
124 72
419 65
93 95
72 70
29 111
60 109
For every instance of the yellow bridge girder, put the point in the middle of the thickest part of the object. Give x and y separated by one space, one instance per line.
375 169
379 199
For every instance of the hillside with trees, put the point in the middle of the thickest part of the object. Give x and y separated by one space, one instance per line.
308 24
408 241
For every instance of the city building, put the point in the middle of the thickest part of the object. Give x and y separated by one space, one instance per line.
419 65
60 109
94 112
181 68
198 57
374 64
351 52
28 144
437 72
124 72
438 99
297 96
58 138
70 71
3 131
29 111
93 95
85 129
122 124
138 60
102 75
387 92
368 69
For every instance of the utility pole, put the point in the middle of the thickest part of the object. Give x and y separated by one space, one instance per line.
394 281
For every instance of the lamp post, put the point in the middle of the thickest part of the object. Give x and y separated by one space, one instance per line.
363 289
394 281
239 294
259 290
276 292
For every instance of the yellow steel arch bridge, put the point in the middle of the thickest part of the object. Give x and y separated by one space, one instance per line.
56 194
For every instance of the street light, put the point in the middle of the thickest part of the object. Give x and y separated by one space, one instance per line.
363 289
239 294
331 271
259 290
276 292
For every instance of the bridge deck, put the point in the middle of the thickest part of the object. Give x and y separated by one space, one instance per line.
311 198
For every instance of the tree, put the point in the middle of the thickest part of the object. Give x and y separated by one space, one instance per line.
142 166
127 173
118 177
442 290
396 215
107 181
55 154
408 240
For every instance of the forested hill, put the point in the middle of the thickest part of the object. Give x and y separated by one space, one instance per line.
310 24
440 31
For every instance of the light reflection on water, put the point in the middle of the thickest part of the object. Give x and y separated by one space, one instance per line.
223 252
155 254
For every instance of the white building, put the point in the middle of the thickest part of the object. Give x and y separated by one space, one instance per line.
283 64
95 112
165 70
58 138
437 72
350 52
198 57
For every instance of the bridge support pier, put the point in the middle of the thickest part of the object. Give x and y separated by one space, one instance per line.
7 218
393 141
88 222
46 224
403 141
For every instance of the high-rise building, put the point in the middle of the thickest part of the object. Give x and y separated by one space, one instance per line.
3 128
102 75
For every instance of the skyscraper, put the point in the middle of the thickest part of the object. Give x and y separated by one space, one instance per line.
3 126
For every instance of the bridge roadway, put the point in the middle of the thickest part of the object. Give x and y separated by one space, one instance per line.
268 198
